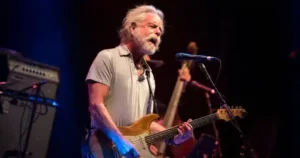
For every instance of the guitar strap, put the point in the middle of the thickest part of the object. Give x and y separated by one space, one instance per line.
147 71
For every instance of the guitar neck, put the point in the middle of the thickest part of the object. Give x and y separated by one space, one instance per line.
171 132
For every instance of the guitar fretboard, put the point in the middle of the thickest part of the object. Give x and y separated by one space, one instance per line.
171 132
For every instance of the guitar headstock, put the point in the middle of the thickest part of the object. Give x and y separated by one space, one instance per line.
236 112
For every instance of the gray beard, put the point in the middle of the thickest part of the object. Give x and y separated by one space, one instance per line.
142 45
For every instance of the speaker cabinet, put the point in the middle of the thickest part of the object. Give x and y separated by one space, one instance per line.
14 121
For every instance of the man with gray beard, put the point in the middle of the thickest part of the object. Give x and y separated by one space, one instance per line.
121 84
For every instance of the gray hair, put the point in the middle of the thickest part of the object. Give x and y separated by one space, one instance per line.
136 15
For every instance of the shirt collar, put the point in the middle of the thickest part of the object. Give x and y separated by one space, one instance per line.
123 51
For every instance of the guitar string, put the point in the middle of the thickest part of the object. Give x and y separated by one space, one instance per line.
204 120
152 139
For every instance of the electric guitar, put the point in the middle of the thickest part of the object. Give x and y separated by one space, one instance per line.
140 136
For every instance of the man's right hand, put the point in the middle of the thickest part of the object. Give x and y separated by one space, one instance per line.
126 149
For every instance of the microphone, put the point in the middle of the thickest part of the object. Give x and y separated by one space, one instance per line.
203 87
141 78
199 58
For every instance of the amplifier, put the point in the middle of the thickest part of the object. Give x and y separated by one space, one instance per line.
17 73
14 128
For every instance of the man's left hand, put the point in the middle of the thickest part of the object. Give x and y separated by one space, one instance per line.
185 131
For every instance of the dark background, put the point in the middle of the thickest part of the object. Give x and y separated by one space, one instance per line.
254 40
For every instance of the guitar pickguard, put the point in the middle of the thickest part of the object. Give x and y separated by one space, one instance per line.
140 144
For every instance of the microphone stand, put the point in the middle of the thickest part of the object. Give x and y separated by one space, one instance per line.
232 119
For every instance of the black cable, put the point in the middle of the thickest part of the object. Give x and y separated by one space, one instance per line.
19 146
218 75
46 111
22 133
219 71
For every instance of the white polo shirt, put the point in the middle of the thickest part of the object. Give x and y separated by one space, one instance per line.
128 99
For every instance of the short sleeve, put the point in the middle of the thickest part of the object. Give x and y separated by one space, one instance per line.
101 69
